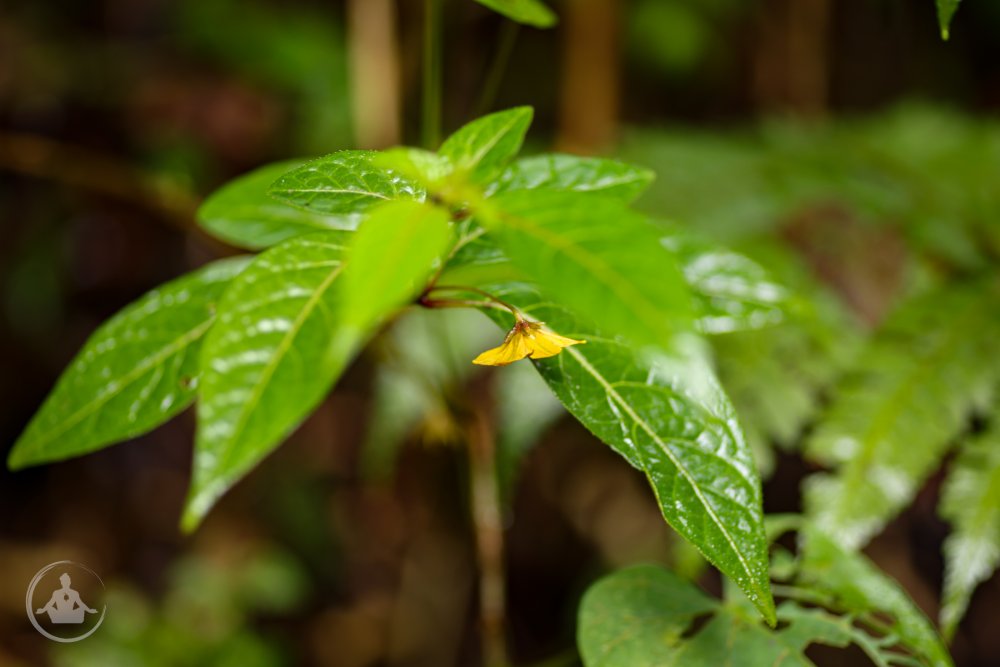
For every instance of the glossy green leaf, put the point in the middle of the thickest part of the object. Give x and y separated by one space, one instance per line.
343 184
891 420
390 258
946 11
244 214
139 369
530 12
857 586
971 502
644 617
732 292
555 171
480 149
271 358
598 257
669 418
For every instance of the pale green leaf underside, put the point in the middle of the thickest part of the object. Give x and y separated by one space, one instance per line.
480 149
274 353
643 616
530 12
139 369
971 502
946 11
244 214
555 171
598 257
674 423
390 258
342 184
859 587
892 419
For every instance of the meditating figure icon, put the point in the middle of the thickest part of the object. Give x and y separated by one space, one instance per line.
66 605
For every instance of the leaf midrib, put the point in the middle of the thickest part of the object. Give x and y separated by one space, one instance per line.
127 380
610 391
283 346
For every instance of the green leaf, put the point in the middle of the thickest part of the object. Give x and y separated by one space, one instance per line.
891 419
669 418
244 214
946 11
644 617
971 502
732 292
555 171
860 588
598 257
139 369
480 149
390 258
529 12
343 184
274 353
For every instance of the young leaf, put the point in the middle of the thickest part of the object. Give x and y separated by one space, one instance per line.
946 10
643 616
139 369
390 258
529 12
274 353
480 149
670 419
598 257
971 502
892 419
860 588
244 214
343 184
555 171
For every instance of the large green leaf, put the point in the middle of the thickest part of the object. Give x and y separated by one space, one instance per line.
136 371
971 502
669 418
644 616
555 171
946 11
274 353
858 587
598 257
480 149
390 258
893 417
529 12
343 184
244 214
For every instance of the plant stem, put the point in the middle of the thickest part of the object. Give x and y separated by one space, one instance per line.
488 523
431 131
508 37
476 290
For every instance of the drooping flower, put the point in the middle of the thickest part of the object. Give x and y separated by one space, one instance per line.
526 339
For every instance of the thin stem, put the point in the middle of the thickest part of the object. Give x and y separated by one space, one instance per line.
488 523
431 131
505 46
476 290
461 303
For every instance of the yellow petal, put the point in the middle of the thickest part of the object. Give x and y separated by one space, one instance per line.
513 348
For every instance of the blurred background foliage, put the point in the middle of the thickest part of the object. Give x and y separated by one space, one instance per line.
842 145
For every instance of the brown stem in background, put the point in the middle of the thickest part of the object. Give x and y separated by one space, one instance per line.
488 524
374 66
588 108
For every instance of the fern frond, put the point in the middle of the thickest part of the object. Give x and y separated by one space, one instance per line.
893 417
971 503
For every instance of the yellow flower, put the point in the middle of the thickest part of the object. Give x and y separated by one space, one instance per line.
526 339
